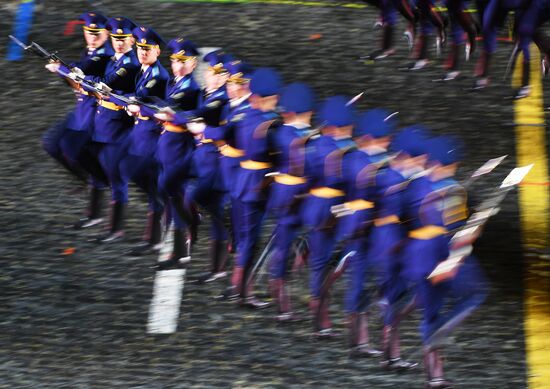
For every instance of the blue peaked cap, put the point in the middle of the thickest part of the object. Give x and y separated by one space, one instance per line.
120 27
93 22
335 112
265 82
445 150
412 140
182 49
376 122
297 97
147 37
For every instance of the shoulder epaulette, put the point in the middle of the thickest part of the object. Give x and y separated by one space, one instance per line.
126 60
155 71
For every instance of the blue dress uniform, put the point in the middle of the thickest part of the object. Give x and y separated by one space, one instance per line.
232 115
529 30
388 17
112 124
438 205
175 151
387 235
461 22
139 163
289 184
68 140
363 167
209 190
324 170
494 16
251 188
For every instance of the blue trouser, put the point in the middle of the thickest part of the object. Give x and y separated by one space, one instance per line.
249 225
110 155
355 298
382 253
143 171
283 205
213 201
172 185
317 217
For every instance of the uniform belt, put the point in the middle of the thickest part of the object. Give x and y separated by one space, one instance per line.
359 204
173 128
382 221
231 152
83 92
143 117
207 140
326 192
287 179
255 165
109 105
427 232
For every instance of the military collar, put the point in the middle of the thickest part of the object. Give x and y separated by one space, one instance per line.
239 101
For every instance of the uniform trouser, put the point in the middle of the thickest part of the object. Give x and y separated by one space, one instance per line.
355 298
110 155
321 241
213 202
173 181
77 150
382 253
143 171
286 234
249 225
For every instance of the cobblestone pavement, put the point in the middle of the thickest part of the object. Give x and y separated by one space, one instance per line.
79 320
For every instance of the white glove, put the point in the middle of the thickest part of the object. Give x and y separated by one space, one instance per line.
133 109
164 116
79 73
167 110
196 127
53 67
103 87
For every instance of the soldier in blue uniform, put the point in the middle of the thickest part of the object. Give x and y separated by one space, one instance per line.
209 191
428 18
324 170
238 91
69 141
372 136
439 205
176 145
494 16
530 30
461 22
253 137
290 184
138 163
111 123
387 235
388 18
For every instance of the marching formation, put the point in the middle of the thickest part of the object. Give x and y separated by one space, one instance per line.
383 202
529 16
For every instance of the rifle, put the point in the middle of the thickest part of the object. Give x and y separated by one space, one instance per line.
40 51
462 240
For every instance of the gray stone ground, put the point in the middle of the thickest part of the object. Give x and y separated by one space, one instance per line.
78 321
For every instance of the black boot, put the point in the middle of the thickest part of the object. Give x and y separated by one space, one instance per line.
116 232
152 236
94 211
181 252
387 46
218 254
